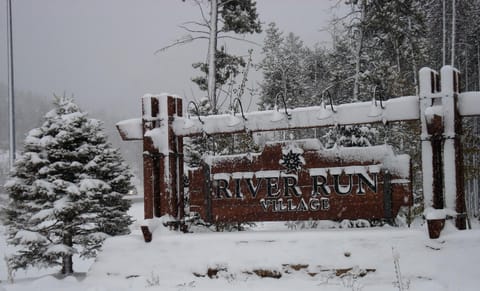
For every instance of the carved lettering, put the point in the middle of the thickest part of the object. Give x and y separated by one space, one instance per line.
325 202
371 183
290 183
342 189
254 188
282 192
238 191
302 205
320 183
314 204
272 185
222 188
265 204
289 205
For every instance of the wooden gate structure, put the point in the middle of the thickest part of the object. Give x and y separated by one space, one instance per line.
439 106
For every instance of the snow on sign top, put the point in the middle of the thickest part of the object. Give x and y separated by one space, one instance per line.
384 154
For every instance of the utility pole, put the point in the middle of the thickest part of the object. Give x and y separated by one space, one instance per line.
444 33
11 91
453 32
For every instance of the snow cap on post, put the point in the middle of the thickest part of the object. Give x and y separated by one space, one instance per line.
427 81
159 112
450 79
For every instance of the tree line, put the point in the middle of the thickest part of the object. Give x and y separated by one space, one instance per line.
377 50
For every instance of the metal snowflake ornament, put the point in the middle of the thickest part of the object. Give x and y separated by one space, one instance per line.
292 159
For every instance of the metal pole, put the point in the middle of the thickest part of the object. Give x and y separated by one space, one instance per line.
453 32
11 93
444 35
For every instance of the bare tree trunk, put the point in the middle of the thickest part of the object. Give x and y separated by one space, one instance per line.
414 62
67 262
478 64
212 49
466 68
358 56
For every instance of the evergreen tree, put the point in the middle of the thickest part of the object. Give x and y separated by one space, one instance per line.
351 136
284 70
272 78
197 146
227 68
341 65
227 18
66 191
389 43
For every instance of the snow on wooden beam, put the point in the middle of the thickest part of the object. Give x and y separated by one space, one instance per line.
130 129
402 108
469 103
395 109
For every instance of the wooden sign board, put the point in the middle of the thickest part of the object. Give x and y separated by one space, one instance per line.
298 180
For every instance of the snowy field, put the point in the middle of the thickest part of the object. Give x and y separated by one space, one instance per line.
270 257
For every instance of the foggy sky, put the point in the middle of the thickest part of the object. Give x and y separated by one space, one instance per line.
102 51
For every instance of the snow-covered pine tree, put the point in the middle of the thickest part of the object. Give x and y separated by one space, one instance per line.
351 136
284 70
66 191
389 46
197 146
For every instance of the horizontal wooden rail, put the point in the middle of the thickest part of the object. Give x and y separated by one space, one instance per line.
402 108
395 109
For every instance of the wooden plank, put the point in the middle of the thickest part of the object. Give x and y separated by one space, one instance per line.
395 109
469 103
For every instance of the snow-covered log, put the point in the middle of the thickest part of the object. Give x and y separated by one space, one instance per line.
130 129
402 108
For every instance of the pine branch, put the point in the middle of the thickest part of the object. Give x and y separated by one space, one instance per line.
225 3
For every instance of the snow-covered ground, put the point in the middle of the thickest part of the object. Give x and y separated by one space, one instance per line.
316 259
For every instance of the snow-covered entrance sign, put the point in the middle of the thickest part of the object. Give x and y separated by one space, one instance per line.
439 106
299 180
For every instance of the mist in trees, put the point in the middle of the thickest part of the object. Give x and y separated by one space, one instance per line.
29 111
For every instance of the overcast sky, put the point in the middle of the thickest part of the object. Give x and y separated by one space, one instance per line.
102 51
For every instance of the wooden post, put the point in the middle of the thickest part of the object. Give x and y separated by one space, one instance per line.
150 120
179 163
432 186
453 152
162 157
170 162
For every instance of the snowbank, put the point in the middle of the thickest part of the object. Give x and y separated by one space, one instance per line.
318 259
